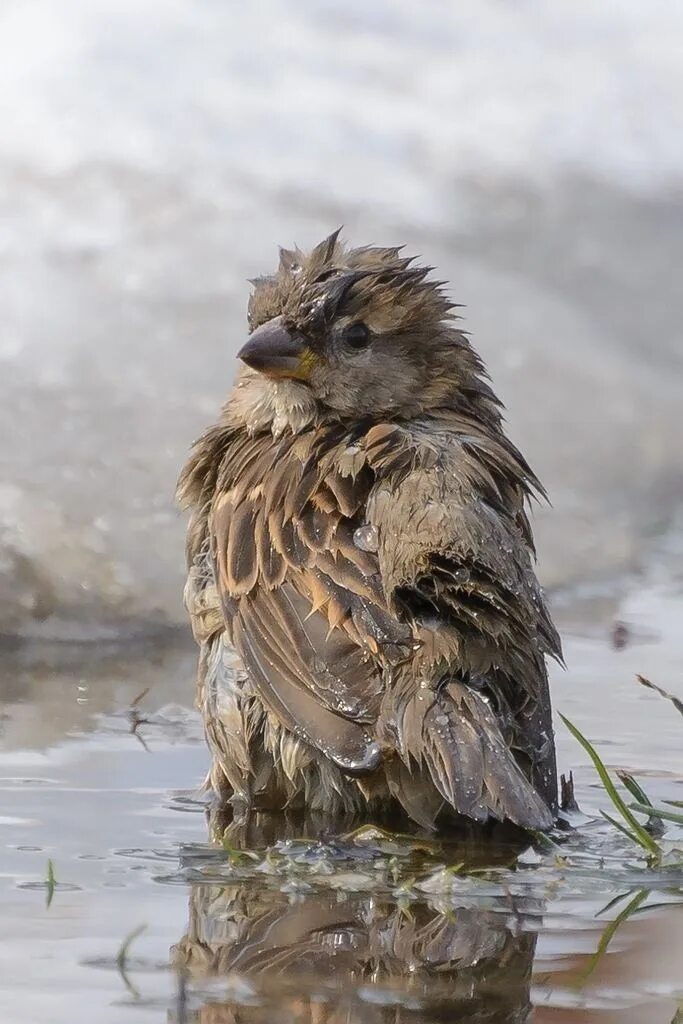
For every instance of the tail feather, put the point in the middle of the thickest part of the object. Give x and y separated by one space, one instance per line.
455 734
415 793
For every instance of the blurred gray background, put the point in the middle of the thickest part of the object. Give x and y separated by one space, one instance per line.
153 155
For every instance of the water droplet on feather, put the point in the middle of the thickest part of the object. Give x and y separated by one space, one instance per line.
366 538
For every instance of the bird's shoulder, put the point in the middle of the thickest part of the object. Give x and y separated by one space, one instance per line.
450 509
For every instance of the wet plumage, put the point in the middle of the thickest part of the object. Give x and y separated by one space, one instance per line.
360 561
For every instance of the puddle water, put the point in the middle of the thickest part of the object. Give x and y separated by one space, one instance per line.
105 840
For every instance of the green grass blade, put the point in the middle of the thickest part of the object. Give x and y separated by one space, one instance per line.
613 902
122 955
610 931
643 837
50 883
622 828
634 788
664 905
658 812
655 826
122 958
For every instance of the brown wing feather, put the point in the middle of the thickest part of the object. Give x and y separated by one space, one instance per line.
343 741
271 565
304 606
241 563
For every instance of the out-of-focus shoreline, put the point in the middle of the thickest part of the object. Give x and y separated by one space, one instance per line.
112 379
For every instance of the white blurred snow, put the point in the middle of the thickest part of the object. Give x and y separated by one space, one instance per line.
153 155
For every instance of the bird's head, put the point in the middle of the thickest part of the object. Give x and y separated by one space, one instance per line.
362 332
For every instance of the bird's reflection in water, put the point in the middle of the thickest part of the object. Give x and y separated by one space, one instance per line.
254 954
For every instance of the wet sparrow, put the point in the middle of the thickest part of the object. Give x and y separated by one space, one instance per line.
359 540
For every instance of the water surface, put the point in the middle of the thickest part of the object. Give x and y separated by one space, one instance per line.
289 923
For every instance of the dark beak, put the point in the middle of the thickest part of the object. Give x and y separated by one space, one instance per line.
277 352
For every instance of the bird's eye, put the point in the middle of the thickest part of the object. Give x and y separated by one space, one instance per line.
357 336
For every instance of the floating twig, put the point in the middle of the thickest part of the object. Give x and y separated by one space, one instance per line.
677 703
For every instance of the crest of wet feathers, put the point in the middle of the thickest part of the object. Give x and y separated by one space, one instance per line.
360 561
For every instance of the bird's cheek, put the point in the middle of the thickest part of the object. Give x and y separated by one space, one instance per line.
308 362
300 368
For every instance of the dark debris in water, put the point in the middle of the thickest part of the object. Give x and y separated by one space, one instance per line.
169 724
